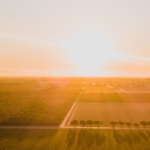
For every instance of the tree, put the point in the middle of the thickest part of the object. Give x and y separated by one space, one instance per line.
113 124
83 123
129 124
88 122
144 123
91 123
98 123
74 122
136 125
121 123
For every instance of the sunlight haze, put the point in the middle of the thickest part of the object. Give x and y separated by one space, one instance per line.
75 38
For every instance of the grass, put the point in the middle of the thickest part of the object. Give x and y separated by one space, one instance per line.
65 139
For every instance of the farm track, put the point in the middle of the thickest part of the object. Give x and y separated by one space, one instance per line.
67 127
70 112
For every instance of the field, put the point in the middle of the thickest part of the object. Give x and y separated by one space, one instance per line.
115 97
107 112
40 101
46 101
34 101
65 139
126 100
92 89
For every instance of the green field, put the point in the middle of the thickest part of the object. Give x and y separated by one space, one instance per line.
65 139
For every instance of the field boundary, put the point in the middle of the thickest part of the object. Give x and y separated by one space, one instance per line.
70 112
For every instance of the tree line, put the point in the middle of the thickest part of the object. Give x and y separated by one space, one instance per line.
90 123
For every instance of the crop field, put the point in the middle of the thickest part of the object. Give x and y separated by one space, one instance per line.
107 112
115 97
19 84
41 101
32 101
131 89
97 90
79 139
46 101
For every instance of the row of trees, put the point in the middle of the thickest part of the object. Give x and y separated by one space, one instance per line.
90 123
129 124
84 123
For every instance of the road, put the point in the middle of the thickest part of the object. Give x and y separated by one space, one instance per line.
67 127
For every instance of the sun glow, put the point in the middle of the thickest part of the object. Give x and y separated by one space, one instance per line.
89 50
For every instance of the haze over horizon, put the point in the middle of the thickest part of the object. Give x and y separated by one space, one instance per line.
75 38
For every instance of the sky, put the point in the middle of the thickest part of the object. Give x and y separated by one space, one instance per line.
75 37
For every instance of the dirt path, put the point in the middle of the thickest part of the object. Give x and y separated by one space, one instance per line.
67 127
70 112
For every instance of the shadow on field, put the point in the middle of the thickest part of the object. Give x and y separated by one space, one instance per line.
148 134
71 136
24 134
118 137
100 138
143 135
131 137
88 138
85 138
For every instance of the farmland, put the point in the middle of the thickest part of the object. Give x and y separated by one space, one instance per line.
46 101
126 100
34 101
97 90
115 97
107 112
40 101
65 139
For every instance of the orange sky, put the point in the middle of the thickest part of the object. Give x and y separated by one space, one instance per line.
69 38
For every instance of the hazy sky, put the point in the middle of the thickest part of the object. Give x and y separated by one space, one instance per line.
78 37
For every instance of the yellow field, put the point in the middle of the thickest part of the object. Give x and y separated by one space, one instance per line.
97 90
